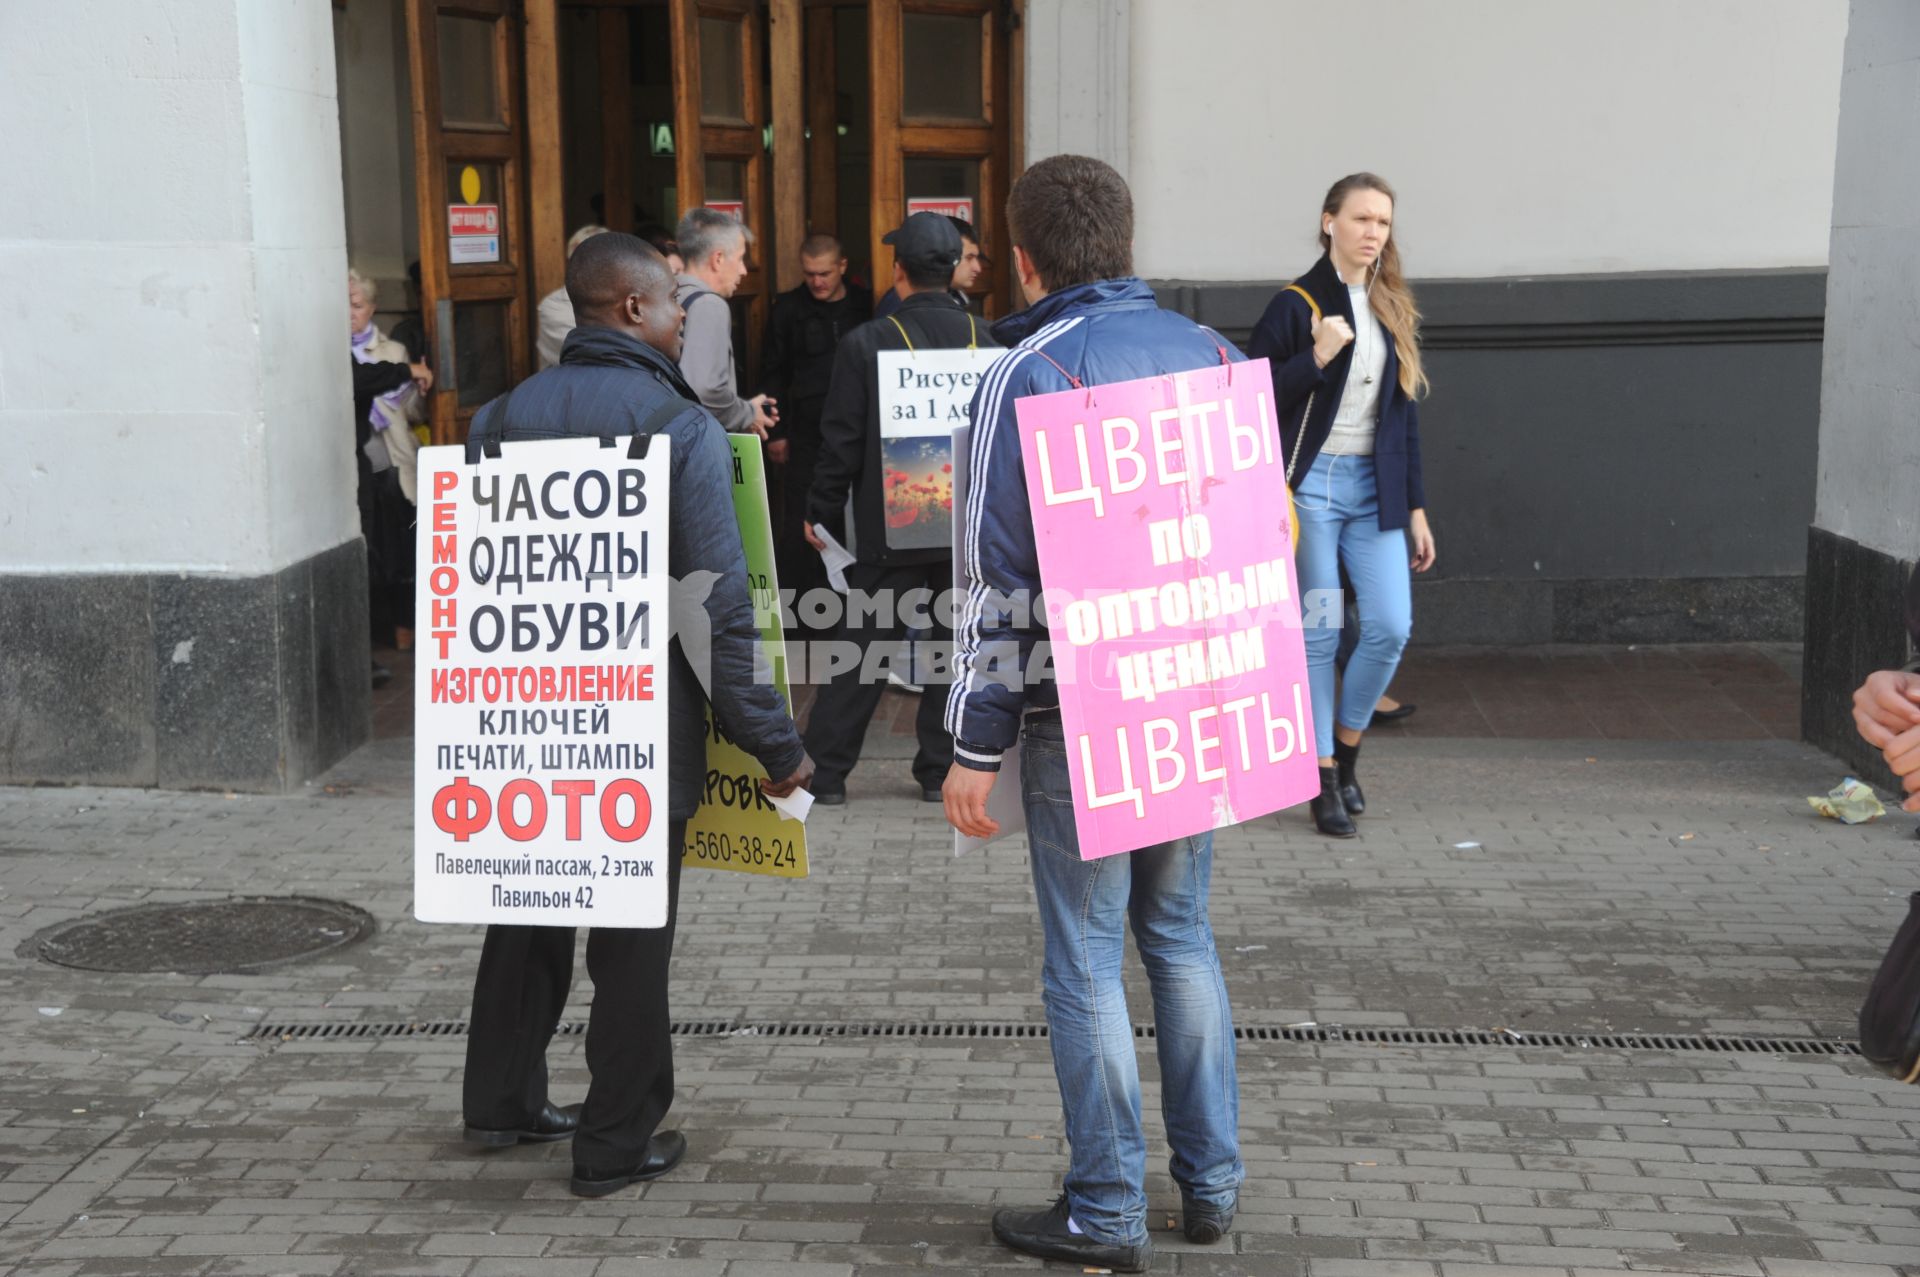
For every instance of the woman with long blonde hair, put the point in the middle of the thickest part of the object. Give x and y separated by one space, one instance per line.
1346 364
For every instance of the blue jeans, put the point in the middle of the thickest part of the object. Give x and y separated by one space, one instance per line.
1085 906
1338 505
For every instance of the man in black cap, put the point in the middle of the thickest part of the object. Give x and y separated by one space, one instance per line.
973 263
888 587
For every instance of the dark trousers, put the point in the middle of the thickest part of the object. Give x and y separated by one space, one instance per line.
799 563
844 706
387 524
521 988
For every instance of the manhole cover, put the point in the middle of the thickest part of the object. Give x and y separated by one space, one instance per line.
215 936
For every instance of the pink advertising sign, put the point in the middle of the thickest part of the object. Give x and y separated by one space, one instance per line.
1160 513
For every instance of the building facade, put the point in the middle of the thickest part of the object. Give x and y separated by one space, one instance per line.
1620 244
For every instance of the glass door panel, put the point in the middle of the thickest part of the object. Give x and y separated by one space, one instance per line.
939 71
720 148
469 148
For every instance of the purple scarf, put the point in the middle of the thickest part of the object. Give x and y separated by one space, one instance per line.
363 353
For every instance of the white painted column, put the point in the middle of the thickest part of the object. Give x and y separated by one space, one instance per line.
182 582
1078 79
1869 486
173 347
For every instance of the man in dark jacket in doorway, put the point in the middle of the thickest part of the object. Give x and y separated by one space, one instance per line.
926 248
617 377
807 325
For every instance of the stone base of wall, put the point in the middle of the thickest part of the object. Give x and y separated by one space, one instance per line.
1757 609
185 682
1854 626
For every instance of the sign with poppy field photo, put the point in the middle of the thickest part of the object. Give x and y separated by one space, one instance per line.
924 395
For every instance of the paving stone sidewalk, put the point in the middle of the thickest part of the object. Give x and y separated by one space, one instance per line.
1533 886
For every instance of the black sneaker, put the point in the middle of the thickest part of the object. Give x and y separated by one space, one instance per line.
1045 1235
1204 1225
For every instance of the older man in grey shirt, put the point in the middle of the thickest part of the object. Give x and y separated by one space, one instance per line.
714 247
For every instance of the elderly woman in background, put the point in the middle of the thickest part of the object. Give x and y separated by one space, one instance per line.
555 311
388 397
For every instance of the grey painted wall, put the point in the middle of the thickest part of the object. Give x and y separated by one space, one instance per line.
1610 457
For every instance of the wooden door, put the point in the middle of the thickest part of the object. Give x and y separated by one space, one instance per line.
469 140
941 116
721 137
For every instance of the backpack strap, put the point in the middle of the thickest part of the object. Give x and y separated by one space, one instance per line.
654 422
694 294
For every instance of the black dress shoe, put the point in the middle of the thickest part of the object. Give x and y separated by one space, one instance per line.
1391 715
830 797
664 1152
1329 808
1204 1225
549 1124
1044 1234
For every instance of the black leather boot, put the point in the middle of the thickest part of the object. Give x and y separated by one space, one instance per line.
1344 757
1329 809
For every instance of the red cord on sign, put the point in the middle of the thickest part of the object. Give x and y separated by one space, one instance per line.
1072 380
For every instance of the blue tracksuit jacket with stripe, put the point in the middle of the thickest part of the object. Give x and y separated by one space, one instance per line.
1090 334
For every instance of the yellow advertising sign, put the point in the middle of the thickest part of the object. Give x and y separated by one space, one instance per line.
736 827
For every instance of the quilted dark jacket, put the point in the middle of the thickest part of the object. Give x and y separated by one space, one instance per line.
609 385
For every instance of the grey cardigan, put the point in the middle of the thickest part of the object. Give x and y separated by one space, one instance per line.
706 359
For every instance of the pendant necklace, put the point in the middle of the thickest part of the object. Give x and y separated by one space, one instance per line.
1367 378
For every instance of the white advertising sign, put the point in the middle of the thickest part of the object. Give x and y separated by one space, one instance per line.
540 699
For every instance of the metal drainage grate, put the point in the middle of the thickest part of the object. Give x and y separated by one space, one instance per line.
1317 1033
201 938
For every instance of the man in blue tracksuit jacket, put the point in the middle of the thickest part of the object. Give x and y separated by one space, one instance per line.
1088 322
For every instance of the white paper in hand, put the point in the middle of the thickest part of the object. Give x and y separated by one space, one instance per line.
794 806
835 557
1003 806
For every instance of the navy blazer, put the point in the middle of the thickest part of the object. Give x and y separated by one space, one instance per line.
1284 336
